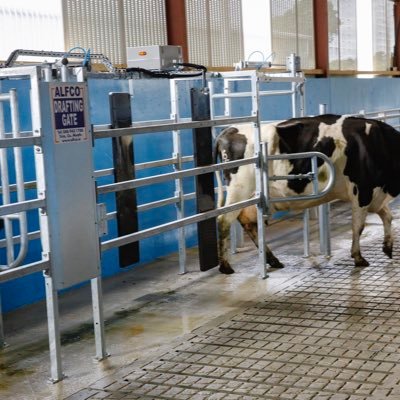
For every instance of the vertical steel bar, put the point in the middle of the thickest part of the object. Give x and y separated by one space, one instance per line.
255 100
323 213
19 178
306 232
5 184
98 318
53 328
177 154
264 204
2 338
51 294
97 292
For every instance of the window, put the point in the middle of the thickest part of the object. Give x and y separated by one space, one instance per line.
214 31
342 31
293 31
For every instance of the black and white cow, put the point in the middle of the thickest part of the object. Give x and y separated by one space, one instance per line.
366 157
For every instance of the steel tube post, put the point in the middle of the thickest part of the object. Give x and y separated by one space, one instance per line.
2 339
264 206
255 89
323 216
177 154
54 331
306 232
19 177
8 228
98 318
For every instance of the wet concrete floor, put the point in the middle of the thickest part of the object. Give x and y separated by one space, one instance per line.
151 310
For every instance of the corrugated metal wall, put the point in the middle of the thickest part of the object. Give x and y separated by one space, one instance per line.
215 35
109 26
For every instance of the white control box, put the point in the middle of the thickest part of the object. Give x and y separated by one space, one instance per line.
154 57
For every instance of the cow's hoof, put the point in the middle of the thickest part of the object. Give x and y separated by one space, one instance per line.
361 262
388 250
274 262
225 268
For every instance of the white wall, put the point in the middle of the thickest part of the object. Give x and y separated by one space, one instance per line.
30 25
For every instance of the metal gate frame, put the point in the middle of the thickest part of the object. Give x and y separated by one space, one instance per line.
36 75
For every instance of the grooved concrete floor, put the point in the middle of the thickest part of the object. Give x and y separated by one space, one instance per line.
318 329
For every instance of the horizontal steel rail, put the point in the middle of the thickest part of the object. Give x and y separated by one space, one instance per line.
20 142
24 270
134 237
17 239
250 94
135 183
21 206
169 126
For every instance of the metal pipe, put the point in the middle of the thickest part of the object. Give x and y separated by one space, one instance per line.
263 207
4 97
56 374
98 318
19 177
8 228
327 188
134 237
135 183
21 206
24 270
2 337
179 192
16 239
162 127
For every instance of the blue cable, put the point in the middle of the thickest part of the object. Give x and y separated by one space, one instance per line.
86 58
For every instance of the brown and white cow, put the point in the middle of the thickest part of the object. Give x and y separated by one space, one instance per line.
364 152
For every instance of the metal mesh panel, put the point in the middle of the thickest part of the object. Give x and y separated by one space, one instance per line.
342 27
382 34
145 22
214 31
292 31
95 24
109 26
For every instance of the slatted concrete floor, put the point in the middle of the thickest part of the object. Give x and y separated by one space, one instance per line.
332 334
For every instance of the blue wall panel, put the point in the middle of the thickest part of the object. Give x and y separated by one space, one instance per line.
150 101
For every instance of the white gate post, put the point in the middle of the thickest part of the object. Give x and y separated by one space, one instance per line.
54 330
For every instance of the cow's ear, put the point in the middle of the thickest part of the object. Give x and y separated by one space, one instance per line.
289 133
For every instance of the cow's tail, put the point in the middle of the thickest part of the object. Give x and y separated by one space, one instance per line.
220 185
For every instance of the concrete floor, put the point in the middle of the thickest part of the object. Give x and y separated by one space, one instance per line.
157 321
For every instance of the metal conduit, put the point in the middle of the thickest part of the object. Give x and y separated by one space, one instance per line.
13 261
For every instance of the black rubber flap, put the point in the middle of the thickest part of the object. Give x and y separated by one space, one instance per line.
123 156
202 145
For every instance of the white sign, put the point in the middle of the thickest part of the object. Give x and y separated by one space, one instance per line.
68 109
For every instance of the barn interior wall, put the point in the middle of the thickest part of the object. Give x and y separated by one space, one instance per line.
150 100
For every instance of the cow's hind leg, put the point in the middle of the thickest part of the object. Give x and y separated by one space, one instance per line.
358 224
224 225
386 217
251 230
